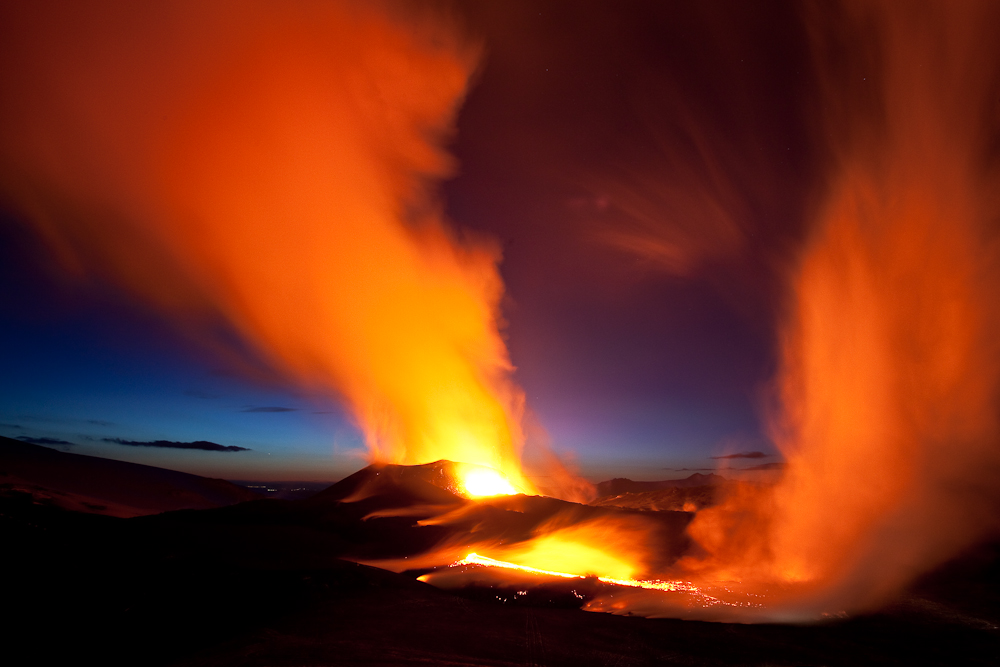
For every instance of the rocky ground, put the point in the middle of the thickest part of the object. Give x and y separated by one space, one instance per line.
263 583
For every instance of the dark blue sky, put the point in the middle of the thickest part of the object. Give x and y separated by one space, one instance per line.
81 362
579 116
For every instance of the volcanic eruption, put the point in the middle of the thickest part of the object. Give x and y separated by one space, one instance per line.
272 169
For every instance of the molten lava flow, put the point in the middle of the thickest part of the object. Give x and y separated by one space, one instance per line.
476 559
605 548
605 594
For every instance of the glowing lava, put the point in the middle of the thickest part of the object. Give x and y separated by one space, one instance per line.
652 584
648 597
480 481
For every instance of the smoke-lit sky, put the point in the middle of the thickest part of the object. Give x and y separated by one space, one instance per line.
646 168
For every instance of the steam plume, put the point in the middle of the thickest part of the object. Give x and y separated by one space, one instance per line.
273 163
887 411
890 359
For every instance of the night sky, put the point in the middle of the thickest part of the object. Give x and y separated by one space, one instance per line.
647 168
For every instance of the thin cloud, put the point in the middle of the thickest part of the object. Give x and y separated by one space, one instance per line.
11 426
689 469
270 409
100 422
43 441
774 465
203 445
743 455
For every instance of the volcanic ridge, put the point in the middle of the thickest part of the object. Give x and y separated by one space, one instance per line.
266 581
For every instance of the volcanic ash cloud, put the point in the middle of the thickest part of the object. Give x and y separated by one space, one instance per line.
273 164
890 361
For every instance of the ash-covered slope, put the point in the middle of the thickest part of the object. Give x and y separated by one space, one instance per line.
103 486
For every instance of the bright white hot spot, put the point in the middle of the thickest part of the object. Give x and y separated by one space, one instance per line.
481 481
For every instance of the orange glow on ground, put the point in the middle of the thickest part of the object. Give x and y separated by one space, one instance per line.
651 584
577 555
718 600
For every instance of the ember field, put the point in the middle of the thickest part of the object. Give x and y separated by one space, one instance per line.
263 582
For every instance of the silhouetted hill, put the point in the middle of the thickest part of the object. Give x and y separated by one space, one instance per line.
284 489
689 494
259 583
621 485
392 512
104 486
431 483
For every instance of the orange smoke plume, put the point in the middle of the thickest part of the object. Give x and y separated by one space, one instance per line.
891 366
274 163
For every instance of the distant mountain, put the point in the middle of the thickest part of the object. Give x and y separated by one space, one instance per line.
774 465
690 494
621 485
104 486
283 490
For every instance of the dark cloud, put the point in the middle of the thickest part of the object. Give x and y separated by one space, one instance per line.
43 441
100 422
774 465
11 426
171 444
743 455
270 409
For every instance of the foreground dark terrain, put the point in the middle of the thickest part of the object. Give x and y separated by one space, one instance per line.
262 583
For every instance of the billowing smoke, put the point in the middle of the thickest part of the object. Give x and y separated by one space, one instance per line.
890 359
275 164
887 392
